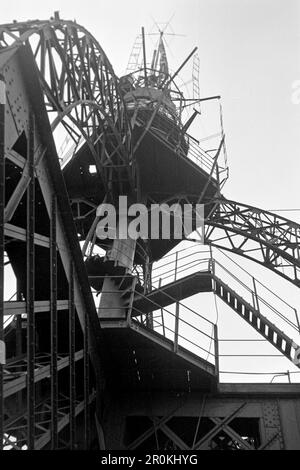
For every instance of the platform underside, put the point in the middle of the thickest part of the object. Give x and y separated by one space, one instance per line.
163 176
140 359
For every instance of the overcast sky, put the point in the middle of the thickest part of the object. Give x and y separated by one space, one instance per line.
249 54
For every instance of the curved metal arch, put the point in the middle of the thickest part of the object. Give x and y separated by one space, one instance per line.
261 236
102 170
73 68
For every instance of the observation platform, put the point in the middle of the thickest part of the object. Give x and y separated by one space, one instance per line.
164 174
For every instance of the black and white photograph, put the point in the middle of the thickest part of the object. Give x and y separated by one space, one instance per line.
149 229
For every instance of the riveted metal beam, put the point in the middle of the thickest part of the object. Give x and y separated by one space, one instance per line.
53 329
30 291
2 208
72 383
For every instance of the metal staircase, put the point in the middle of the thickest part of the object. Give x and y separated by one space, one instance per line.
254 318
204 279
128 331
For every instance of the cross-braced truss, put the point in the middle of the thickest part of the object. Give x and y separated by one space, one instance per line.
233 431
36 369
258 235
80 90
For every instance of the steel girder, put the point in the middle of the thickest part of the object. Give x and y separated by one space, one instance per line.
81 90
40 171
256 234
219 429
42 425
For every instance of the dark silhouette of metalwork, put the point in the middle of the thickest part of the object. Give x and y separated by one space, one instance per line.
121 375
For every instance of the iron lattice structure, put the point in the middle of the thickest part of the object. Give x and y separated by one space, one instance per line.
80 89
256 234
64 359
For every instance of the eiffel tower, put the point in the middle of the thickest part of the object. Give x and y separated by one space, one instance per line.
99 346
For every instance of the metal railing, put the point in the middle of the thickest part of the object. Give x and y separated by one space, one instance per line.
257 294
180 323
261 298
187 328
178 264
253 358
187 147
183 326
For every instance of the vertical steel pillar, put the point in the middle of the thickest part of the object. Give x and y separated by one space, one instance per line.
176 327
162 312
144 57
19 345
132 294
86 384
30 294
53 317
2 207
72 357
216 341
18 324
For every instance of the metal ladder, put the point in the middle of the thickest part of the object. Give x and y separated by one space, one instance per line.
133 61
195 78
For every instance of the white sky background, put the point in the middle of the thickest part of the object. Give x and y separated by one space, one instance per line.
249 54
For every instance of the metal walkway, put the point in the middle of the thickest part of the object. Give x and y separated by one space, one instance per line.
206 280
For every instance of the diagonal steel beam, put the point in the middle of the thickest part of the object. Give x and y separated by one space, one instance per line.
271 236
269 441
151 430
20 188
233 434
174 437
2 206
200 444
